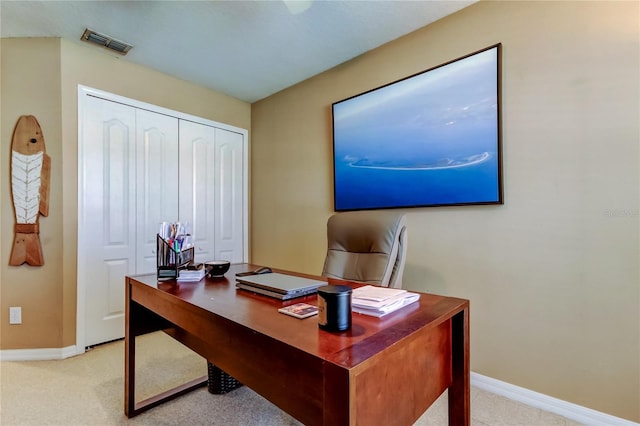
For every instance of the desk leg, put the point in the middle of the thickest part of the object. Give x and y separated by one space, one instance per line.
129 356
138 321
460 389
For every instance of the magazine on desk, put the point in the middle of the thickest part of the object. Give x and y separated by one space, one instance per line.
380 301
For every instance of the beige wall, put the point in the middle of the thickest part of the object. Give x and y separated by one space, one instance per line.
552 275
40 77
38 290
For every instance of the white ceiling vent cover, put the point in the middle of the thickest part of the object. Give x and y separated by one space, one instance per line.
106 41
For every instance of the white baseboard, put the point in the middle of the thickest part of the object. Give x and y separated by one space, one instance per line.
38 354
544 402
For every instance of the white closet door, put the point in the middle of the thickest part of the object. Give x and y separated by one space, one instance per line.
229 197
107 235
140 165
157 182
198 186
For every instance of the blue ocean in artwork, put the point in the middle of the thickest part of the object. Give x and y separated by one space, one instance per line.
431 139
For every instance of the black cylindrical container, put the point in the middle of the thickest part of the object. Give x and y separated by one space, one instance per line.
334 307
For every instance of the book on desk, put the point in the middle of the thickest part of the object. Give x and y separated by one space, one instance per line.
380 301
299 310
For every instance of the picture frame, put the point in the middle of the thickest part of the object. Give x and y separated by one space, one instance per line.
431 139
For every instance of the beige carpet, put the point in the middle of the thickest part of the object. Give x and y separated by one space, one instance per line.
89 390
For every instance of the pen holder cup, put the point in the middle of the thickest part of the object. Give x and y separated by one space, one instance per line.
170 260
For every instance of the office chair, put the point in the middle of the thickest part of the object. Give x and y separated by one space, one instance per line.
367 246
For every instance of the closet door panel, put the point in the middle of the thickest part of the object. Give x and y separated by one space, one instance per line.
106 237
229 197
197 186
157 182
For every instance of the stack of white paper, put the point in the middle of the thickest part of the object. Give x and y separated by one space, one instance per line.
191 276
380 301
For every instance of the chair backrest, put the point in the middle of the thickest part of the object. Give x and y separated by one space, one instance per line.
367 246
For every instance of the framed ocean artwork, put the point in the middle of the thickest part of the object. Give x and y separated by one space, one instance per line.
430 139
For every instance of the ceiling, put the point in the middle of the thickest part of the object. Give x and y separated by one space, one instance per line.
246 49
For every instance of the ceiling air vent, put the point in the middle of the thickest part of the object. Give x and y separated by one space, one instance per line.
106 41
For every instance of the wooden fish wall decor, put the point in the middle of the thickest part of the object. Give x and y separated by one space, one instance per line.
30 174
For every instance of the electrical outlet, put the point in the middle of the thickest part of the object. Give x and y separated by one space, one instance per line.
15 315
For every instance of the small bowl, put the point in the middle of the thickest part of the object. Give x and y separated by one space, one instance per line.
217 268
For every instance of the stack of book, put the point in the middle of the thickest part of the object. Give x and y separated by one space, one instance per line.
186 275
380 301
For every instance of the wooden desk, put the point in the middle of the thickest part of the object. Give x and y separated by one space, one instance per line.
381 372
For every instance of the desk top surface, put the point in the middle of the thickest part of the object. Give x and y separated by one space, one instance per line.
368 335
